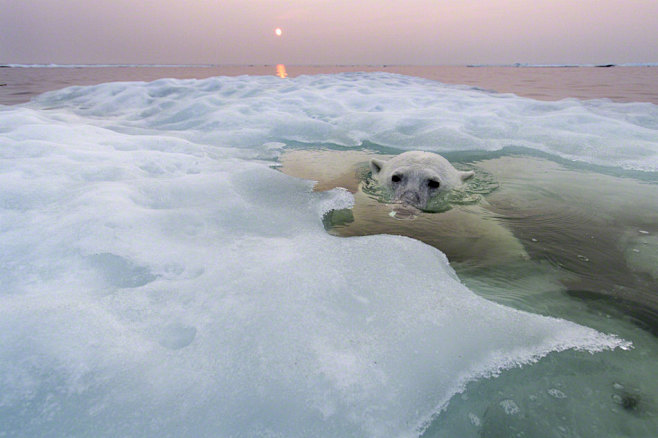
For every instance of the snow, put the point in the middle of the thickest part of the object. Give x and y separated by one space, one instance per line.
161 279
389 110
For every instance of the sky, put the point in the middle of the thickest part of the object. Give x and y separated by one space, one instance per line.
328 32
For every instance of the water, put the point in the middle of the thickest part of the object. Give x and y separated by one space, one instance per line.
621 84
163 276
554 238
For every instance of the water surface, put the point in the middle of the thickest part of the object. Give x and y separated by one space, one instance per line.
160 278
622 84
554 238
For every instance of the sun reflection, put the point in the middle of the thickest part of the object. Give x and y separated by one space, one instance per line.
281 71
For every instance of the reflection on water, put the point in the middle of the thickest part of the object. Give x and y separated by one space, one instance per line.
281 71
558 241
623 84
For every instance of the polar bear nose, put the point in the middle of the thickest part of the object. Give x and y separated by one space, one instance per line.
410 197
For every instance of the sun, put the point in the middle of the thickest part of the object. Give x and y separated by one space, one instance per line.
278 31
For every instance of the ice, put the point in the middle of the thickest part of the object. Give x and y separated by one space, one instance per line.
386 109
519 64
510 407
161 279
103 65
554 392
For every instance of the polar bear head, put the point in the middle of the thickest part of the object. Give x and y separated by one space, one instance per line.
415 177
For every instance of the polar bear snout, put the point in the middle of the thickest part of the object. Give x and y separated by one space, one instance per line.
415 177
412 198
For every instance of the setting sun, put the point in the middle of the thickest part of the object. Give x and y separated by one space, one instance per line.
278 31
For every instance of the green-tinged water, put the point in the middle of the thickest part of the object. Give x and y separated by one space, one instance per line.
549 237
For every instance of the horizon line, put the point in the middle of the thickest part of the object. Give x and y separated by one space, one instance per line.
192 65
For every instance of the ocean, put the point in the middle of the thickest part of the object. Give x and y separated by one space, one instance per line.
199 251
620 84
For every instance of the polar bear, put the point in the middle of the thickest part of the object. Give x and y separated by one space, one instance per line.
415 177
466 233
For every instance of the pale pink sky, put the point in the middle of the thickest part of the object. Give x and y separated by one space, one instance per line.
329 31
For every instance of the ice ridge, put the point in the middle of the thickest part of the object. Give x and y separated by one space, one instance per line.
390 110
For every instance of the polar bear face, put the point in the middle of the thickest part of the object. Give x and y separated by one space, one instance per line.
415 177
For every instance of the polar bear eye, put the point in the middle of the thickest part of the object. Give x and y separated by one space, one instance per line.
396 178
433 184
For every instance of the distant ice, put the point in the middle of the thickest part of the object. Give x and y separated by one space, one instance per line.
521 64
102 65
159 278
516 64
639 64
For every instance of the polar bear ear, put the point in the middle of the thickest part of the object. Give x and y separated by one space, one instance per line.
376 165
466 175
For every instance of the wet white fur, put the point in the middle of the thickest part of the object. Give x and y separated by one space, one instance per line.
412 177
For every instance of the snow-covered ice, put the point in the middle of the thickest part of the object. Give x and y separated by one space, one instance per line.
161 279
390 110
